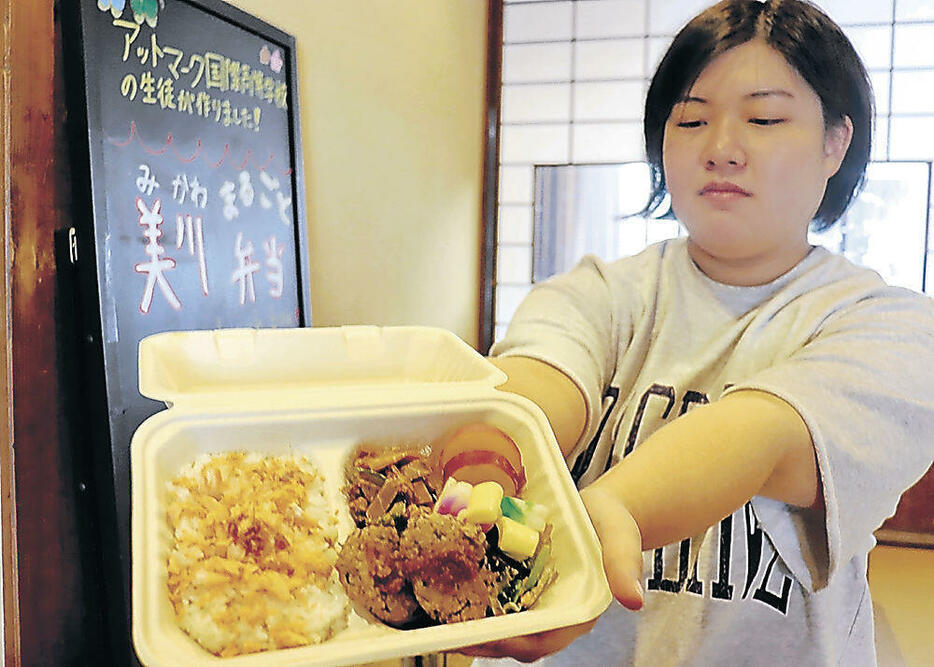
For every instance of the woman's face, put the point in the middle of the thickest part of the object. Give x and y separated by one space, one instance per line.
747 160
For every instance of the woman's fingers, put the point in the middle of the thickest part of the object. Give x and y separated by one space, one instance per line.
621 542
529 648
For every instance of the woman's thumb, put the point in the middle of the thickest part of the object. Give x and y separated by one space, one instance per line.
621 541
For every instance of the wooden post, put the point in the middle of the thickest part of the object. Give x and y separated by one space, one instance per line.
11 643
48 619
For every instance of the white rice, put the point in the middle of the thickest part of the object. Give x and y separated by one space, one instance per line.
251 564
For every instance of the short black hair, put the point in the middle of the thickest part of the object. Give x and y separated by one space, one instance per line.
810 42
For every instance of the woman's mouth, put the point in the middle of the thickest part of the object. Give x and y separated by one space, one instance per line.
723 191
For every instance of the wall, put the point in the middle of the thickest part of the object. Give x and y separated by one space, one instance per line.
392 101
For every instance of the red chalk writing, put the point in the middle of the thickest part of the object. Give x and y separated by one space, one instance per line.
271 182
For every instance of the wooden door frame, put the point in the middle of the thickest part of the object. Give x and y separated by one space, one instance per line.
7 488
489 204
50 616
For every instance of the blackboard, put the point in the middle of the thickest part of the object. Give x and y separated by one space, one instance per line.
189 207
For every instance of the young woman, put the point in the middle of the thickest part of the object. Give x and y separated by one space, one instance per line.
741 410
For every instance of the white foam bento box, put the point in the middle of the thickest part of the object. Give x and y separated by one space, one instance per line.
320 392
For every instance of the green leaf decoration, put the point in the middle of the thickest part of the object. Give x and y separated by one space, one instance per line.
146 10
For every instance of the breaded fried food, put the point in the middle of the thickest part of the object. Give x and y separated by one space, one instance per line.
373 575
443 558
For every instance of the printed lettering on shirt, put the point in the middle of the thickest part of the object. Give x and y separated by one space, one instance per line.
665 391
658 582
721 588
582 463
690 398
778 602
753 547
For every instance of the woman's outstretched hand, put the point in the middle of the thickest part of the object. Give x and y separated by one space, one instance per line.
621 541
529 648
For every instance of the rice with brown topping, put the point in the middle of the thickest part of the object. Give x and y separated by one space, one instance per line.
251 566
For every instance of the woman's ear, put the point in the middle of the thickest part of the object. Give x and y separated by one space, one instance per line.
836 142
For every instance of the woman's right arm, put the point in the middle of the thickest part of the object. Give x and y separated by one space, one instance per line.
550 389
572 321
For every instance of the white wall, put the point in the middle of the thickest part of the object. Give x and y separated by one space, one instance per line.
392 107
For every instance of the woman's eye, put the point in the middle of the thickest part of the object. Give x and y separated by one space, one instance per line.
690 123
766 121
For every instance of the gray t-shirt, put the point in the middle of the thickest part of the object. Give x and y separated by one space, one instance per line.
648 337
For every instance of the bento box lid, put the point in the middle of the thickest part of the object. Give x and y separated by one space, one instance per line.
194 366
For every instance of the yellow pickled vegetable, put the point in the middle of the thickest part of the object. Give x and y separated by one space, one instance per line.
515 540
483 506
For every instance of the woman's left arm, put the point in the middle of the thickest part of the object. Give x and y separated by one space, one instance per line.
695 471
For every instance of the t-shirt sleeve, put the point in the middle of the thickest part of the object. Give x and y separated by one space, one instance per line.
570 323
864 386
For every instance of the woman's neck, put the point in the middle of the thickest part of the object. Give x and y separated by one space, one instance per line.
747 271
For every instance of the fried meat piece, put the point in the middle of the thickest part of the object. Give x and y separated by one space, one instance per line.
443 558
373 575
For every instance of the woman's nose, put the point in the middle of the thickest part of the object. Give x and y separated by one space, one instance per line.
724 147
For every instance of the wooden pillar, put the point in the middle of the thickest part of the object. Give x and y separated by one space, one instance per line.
7 498
48 619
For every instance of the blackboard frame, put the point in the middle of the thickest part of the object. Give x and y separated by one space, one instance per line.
106 534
